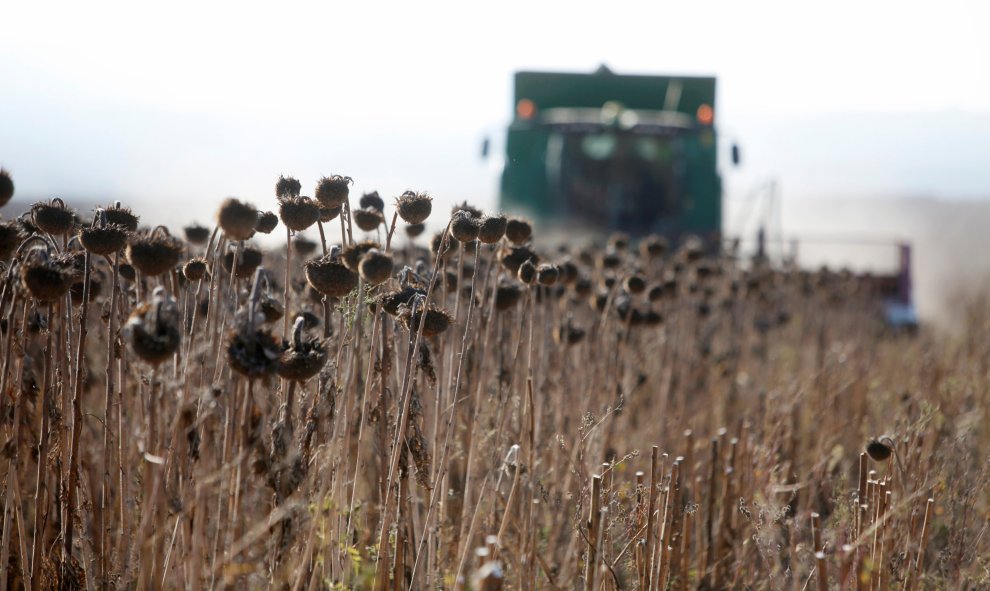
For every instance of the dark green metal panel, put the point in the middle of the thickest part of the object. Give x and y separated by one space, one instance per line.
697 188
552 89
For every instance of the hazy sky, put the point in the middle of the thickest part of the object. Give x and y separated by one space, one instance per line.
180 103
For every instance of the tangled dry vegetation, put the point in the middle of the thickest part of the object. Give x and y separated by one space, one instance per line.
470 411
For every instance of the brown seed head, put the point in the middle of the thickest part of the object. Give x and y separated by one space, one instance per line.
253 352
368 219
46 278
122 216
267 222
103 241
568 334
653 246
53 217
153 329
351 257
95 287
414 207
436 322
195 269
310 320
6 187
237 219
376 267
634 284
518 230
392 301
298 213
441 241
618 241
492 229
332 191
328 214
271 308
693 249
287 187
568 272
705 270
414 230
515 256
880 449
507 295
127 271
609 260
302 358
464 226
248 259
10 238
547 274
583 287
330 277
527 272
372 200
303 246
155 253
196 234
472 211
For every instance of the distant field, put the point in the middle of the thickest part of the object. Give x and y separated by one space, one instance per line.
951 243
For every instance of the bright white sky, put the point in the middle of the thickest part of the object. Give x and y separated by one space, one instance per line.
189 101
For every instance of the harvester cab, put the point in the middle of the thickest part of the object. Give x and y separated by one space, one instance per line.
603 152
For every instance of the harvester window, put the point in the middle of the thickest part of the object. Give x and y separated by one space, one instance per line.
599 146
624 179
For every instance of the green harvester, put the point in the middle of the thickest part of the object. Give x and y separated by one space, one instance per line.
604 152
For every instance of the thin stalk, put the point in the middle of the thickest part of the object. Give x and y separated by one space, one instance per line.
68 511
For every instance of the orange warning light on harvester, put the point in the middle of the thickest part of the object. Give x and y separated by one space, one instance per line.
705 114
525 109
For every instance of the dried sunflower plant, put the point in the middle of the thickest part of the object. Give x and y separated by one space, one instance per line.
475 409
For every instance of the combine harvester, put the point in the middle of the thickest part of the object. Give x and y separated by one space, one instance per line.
602 152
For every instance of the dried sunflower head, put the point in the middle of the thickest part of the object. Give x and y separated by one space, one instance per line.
298 213
6 187
414 207
46 277
376 267
153 329
103 237
492 229
368 218
464 227
287 187
237 219
267 222
53 217
195 269
248 259
11 236
302 358
122 216
437 320
518 230
154 253
372 200
332 191
196 234
330 277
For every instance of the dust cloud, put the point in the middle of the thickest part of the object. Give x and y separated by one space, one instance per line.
950 240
